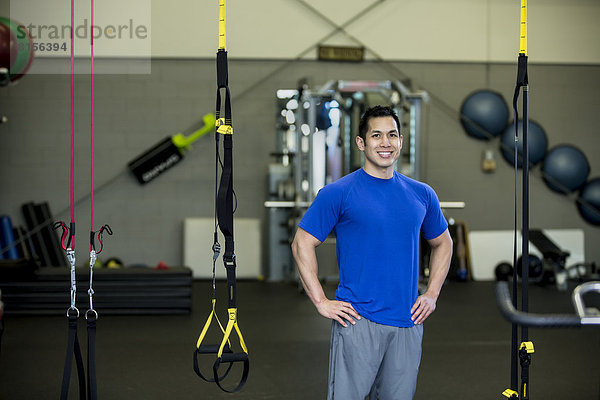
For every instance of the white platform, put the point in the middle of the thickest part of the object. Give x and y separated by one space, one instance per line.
198 240
489 248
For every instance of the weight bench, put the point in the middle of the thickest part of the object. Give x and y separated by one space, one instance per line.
552 255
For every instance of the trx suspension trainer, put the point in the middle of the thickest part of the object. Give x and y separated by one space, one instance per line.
68 235
521 353
224 209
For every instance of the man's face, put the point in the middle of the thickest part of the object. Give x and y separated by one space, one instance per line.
382 147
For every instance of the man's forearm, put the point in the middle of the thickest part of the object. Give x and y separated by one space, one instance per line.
306 262
439 266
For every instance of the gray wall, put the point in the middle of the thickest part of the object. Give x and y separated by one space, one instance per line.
132 112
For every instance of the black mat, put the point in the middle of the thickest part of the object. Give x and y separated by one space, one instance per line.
116 291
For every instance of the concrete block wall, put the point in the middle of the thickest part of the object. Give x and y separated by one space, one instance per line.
133 112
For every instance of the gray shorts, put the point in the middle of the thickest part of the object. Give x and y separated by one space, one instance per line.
372 359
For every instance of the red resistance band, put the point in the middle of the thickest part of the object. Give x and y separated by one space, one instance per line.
70 231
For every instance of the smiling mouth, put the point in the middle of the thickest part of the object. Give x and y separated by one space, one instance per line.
385 154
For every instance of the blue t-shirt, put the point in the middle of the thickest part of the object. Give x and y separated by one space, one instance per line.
377 223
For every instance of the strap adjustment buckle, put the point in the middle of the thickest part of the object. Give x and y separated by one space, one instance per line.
527 347
525 352
216 248
229 261
223 127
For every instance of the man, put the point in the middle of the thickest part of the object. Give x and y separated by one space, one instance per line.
378 215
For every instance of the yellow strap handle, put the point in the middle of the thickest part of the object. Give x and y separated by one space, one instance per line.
207 325
232 323
222 25
523 44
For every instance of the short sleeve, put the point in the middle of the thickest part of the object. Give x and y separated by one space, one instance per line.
323 214
434 223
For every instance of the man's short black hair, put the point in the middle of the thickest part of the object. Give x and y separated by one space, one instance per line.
375 112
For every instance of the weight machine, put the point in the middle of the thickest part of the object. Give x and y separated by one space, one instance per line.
316 128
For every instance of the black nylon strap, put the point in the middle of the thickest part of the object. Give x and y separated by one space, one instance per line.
224 209
73 348
225 196
225 199
210 349
91 359
519 355
522 80
231 358
222 69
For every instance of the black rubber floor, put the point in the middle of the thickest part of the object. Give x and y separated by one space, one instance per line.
466 350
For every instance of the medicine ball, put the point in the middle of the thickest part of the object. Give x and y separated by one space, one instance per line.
536 269
24 56
565 169
484 114
8 47
536 139
588 202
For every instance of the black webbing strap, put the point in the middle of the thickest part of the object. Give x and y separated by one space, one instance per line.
91 358
210 349
225 209
519 355
231 358
73 348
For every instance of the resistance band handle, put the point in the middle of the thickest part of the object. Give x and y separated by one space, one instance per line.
531 319
210 349
232 358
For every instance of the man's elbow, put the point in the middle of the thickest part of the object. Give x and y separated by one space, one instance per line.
295 247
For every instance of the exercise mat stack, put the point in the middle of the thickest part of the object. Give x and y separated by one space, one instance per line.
123 291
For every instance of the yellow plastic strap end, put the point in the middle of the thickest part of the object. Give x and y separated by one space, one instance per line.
222 25
528 346
510 393
523 42
224 128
